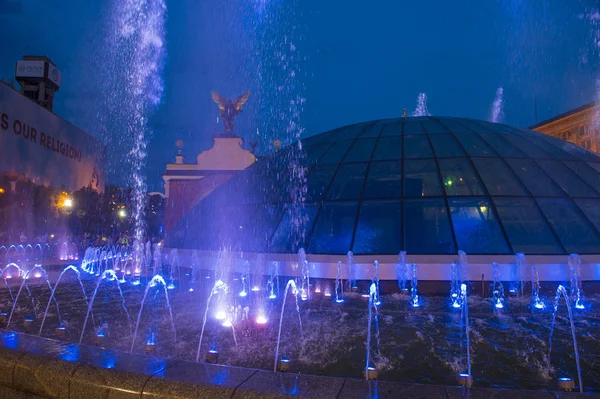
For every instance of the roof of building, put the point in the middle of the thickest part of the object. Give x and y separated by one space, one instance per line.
425 185
564 115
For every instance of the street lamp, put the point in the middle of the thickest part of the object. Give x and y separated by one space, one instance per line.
68 203
122 213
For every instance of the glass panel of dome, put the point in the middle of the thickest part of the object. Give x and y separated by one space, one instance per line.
455 126
525 225
476 228
566 179
550 148
474 145
528 148
573 229
594 165
497 177
579 152
264 223
392 129
333 229
417 147
293 229
586 172
336 152
384 180
318 180
445 145
534 178
379 228
348 181
361 151
421 178
478 127
459 177
426 227
433 127
503 147
591 209
349 132
313 153
373 131
412 126
388 148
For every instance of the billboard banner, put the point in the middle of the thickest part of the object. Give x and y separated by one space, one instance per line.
29 69
54 74
45 148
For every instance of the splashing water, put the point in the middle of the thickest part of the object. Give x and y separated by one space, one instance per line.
454 285
576 291
273 281
421 109
66 269
140 35
498 107
108 275
372 317
535 289
497 287
351 270
375 280
414 295
518 285
291 283
219 288
401 271
38 272
561 291
339 284
305 276
155 280
465 307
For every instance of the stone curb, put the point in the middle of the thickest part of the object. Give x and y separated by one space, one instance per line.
34 367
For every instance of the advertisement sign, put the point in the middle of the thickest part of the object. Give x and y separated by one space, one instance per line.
46 149
29 69
54 74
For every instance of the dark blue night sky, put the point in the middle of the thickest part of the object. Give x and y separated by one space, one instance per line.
358 61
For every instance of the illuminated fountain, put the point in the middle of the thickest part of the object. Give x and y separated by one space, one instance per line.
454 285
109 276
414 295
60 329
564 382
351 271
575 271
498 107
285 360
370 370
36 272
401 271
535 289
305 275
518 284
153 283
375 280
339 284
221 315
497 287
465 378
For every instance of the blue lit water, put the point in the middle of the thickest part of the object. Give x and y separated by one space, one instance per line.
509 347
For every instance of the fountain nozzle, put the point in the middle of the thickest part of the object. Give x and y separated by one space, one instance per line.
464 379
371 373
284 364
212 356
566 384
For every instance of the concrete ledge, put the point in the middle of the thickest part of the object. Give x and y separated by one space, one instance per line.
34 367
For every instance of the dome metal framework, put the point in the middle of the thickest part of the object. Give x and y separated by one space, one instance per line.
426 185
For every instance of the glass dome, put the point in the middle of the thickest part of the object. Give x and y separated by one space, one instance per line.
426 185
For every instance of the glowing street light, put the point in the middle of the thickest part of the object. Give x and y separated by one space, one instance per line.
122 213
68 203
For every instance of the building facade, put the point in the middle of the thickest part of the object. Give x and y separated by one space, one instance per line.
186 184
580 126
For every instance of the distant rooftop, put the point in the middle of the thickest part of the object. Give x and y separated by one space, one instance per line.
565 114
